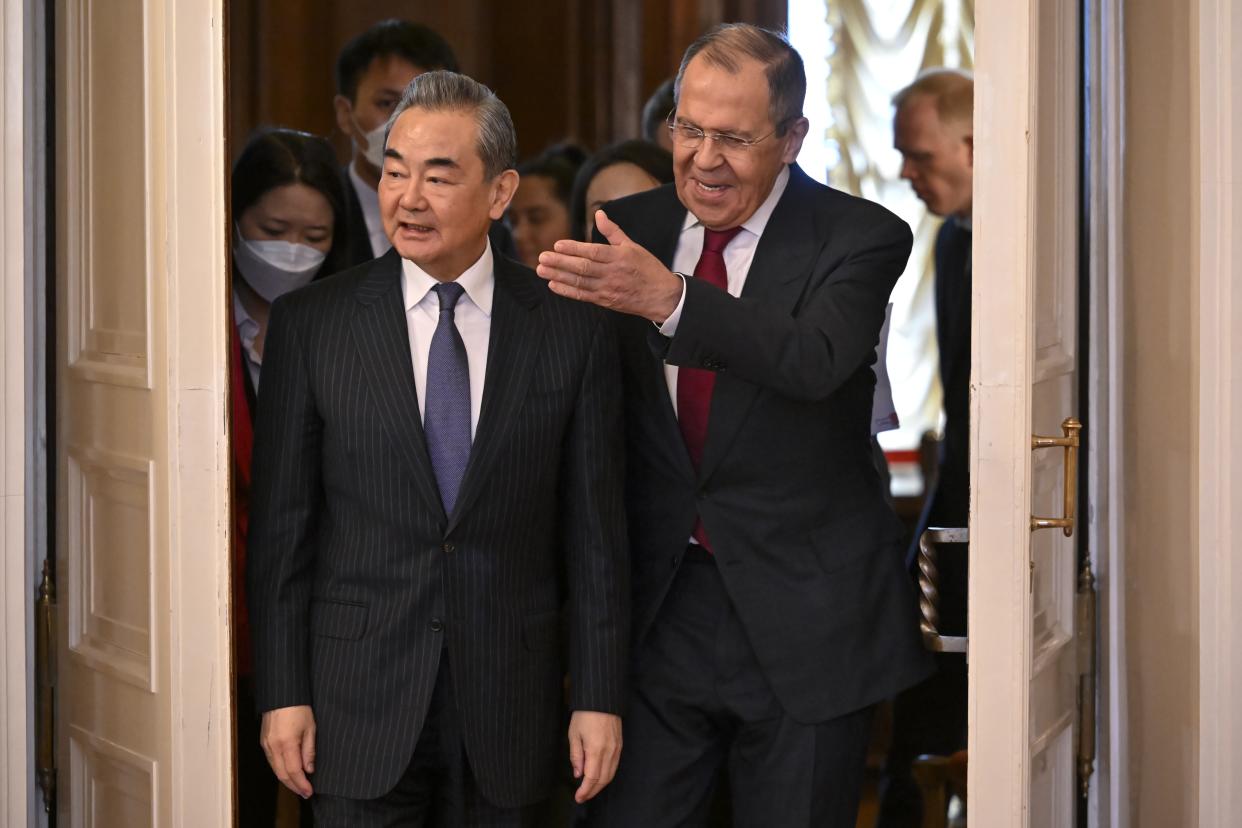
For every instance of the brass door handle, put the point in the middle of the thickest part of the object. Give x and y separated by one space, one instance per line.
929 590
1071 429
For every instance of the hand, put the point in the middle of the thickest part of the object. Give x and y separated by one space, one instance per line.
620 275
287 735
594 749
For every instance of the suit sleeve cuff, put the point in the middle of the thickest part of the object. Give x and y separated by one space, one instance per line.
669 328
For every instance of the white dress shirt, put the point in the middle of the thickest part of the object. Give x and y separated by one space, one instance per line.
473 315
738 256
247 332
369 199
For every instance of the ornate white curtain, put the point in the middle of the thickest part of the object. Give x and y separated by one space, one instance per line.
858 53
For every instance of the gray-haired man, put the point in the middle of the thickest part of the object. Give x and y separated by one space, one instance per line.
436 486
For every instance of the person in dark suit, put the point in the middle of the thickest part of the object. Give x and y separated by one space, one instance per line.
772 610
437 480
933 130
372 71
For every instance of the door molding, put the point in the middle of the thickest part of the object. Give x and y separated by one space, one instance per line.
1220 415
17 219
1000 413
195 301
1104 511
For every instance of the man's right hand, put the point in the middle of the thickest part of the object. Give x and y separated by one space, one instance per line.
287 735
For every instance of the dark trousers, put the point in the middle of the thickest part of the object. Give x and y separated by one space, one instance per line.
930 717
256 783
702 706
437 790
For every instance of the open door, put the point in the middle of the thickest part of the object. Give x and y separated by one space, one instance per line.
141 512
1031 622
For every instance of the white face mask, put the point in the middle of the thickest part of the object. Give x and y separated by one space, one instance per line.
273 267
374 152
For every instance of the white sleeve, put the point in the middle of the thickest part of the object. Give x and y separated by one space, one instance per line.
669 328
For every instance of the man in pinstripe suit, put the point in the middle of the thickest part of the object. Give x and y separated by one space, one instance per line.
437 475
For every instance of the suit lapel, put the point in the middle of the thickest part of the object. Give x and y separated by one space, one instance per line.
382 337
792 239
662 243
513 347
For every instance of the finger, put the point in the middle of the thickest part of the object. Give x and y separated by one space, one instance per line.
575 753
277 760
297 781
569 263
590 774
610 229
580 250
308 750
569 285
608 772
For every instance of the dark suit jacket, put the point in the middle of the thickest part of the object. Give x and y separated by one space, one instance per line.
947 502
358 238
952 494
358 578
788 491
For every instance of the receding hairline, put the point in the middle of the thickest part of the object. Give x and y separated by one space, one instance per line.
727 46
951 91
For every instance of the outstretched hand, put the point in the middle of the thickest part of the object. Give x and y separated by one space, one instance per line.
620 275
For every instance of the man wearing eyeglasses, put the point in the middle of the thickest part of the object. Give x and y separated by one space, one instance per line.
771 605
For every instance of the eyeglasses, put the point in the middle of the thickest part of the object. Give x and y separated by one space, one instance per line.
691 137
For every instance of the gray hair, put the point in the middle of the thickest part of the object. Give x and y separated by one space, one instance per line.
724 44
442 90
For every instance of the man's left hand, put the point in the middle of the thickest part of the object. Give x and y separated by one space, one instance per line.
594 750
620 275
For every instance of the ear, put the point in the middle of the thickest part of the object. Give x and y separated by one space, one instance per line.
793 140
503 188
344 117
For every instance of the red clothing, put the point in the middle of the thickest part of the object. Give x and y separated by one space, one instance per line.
241 434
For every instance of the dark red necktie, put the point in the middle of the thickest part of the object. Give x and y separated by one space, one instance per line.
694 385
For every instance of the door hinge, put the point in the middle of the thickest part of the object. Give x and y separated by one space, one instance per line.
1085 631
45 692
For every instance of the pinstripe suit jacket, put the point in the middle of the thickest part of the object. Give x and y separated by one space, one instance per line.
357 576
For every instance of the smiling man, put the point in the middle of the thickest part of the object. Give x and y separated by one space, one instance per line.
437 485
772 610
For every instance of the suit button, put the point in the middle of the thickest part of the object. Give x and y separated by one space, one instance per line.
449 548
436 625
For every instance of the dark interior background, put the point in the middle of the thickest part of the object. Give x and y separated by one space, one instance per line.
567 69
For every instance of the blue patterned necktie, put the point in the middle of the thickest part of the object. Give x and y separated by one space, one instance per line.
446 414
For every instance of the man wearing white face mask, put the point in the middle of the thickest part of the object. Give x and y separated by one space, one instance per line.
288 204
372 71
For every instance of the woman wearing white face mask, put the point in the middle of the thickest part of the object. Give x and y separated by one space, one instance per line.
288 208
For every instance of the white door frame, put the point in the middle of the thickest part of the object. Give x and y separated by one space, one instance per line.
1000 414
197 297
1220 414
16 572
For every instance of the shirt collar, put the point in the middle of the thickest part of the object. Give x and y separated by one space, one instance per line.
759 219
368 198
247 327
478 281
